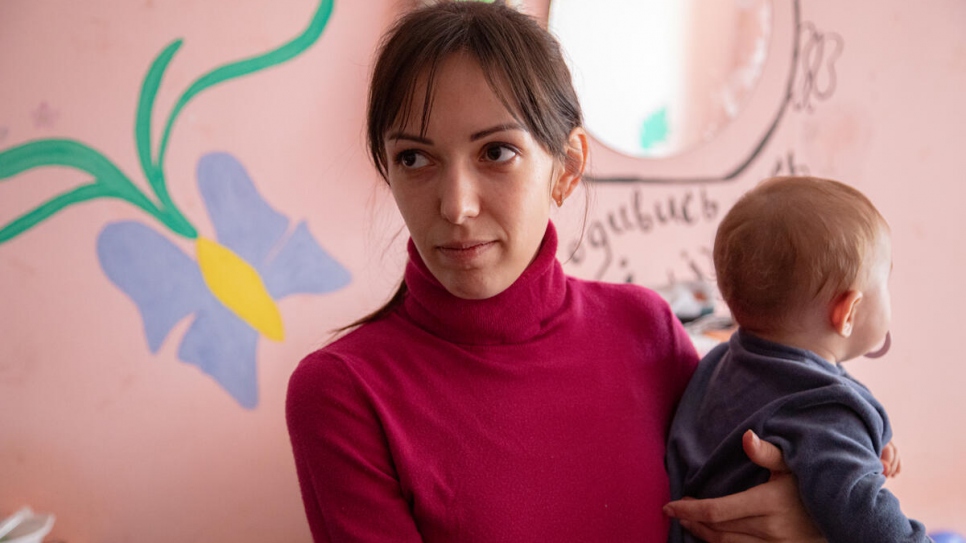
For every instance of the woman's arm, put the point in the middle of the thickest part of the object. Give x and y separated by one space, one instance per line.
771 511
349 485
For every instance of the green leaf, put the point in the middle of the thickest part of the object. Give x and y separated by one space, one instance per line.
142 125
54 152
109 182
28 220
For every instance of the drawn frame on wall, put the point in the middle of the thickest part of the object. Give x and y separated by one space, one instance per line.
702 164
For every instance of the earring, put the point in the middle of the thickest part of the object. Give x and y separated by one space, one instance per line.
559 201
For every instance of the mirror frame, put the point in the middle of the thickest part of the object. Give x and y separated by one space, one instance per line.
737 145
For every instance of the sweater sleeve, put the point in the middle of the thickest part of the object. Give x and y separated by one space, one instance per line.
831 439
683 352
682 356
349 486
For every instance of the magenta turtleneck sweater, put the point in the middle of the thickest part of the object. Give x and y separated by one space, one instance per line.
539 414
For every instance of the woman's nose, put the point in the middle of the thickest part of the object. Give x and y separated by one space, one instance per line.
459 194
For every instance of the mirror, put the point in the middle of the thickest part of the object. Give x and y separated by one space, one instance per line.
659 77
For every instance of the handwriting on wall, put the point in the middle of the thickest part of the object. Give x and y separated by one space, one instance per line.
788 165
638 215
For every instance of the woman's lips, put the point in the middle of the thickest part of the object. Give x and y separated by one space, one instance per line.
464 252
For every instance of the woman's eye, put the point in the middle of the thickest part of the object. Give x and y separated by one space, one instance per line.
499 153
411 159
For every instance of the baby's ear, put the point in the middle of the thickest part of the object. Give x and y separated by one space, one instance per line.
843 311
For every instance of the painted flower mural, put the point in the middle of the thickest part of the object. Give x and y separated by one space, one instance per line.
231 286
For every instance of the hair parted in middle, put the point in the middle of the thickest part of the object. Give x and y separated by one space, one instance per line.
521 61
791 242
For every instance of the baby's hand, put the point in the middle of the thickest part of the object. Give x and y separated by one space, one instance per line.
891 465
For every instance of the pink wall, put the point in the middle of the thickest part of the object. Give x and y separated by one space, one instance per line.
123 444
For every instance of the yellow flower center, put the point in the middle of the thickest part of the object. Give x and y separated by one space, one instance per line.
239 286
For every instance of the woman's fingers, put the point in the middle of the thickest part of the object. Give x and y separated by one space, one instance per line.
764 499
768 512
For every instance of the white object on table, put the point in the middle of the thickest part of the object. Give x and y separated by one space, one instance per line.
25 526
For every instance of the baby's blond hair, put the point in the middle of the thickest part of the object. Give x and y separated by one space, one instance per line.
790 243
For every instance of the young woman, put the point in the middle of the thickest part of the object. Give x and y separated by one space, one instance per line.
494 398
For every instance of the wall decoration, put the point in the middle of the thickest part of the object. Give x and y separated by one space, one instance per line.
800 70
637 215
819 52
658 78
780 103
811 76
231 286
787 165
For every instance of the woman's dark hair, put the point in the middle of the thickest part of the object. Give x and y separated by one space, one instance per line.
521 61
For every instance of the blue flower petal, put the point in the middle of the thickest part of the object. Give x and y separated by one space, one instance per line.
223 346
243 221
164 283
303 266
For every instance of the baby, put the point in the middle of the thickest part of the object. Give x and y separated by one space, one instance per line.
804 265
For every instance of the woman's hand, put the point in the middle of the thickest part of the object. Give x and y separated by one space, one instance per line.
771 511
891 464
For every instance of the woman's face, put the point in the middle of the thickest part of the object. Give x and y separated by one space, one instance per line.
475 190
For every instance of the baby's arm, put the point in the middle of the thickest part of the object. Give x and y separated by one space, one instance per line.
831 437
771 511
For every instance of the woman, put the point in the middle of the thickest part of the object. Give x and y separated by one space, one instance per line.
494 398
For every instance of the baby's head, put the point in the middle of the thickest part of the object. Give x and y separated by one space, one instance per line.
803 256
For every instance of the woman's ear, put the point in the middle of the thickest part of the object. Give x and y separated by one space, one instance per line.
578 151
843 311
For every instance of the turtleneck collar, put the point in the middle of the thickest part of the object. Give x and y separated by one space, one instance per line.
516 315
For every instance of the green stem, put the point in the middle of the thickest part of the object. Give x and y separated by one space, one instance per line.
143 121
48 208
243 67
